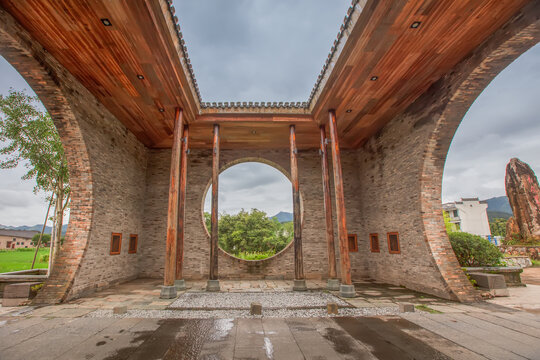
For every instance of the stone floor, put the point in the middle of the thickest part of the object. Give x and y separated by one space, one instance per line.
438 329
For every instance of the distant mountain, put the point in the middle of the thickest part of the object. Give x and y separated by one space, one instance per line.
35 228
498 207
283 217
500 204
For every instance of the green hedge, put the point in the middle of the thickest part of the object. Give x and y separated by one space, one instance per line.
473 250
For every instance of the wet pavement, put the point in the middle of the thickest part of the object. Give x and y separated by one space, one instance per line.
438 329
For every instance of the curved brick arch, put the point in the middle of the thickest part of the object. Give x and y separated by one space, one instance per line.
46 77
453 96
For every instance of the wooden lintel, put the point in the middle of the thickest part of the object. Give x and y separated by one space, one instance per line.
332 272
172 212
182 205
340 202
279 118
214 216
297 216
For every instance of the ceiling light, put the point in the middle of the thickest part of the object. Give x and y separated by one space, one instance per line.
253 132
161 110
348 110
415 25
106 22
140 77
374 78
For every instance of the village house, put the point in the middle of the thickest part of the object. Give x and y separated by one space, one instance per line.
16 239
469 215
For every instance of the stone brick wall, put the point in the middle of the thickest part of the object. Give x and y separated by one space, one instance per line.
107 167
196 255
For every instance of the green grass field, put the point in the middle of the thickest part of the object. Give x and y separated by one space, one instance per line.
21 259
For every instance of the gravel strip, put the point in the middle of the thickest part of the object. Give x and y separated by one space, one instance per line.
230 314
242 301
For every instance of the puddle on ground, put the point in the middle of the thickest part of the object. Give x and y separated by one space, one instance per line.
268 348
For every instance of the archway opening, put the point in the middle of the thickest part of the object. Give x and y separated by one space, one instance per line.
255 210
501 124
34 172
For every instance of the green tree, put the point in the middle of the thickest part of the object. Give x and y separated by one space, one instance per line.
45 241
29 137
450 227
251 232
474 250
498 227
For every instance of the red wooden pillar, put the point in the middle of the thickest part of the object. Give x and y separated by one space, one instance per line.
168 290
299 279
213 283
179 282
333 284
346 289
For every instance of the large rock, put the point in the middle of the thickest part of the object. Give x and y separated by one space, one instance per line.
524 195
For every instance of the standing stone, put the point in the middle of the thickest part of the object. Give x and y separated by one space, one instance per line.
524 195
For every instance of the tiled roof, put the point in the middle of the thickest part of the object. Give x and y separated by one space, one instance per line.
26 234
253 105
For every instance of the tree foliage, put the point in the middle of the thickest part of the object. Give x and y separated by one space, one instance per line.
251 234
30 137
498 227
450 227
473 250
45 241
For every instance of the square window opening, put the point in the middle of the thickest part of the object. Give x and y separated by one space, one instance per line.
116 243
353 243
374 243
133 239
393 243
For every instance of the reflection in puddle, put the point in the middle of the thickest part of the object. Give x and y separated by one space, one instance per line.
269 348
222 327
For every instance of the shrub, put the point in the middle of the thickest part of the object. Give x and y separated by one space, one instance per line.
44 258
473 250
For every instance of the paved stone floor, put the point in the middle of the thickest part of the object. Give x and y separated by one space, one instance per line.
438 329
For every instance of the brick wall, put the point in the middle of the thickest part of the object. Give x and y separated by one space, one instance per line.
196 255
107 167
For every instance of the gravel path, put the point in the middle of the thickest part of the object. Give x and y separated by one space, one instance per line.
234 314
242 301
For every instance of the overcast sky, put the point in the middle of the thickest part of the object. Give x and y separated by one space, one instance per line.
273 50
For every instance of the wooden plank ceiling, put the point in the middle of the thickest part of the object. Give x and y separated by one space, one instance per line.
142 41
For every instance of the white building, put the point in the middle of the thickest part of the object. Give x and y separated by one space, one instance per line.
469 215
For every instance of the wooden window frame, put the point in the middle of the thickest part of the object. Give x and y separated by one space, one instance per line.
398 251
378 250
136 237
119 244
355 249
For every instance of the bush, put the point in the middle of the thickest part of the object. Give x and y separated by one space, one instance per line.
473 250
44 258
255 255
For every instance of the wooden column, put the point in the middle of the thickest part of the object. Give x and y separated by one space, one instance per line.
297 216
172 213
340 202
182 205
332 272
214 227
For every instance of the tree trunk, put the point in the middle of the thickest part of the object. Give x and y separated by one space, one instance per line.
42 231
59 217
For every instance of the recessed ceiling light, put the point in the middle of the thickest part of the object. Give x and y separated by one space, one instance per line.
348 110
415 25
253 132
106 22
140 77
161 110
374 78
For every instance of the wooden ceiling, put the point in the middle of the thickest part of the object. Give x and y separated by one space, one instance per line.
142 41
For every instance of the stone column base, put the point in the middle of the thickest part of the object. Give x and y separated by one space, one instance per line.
332 284
212 285
299 285
347 291
168 292
180 284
